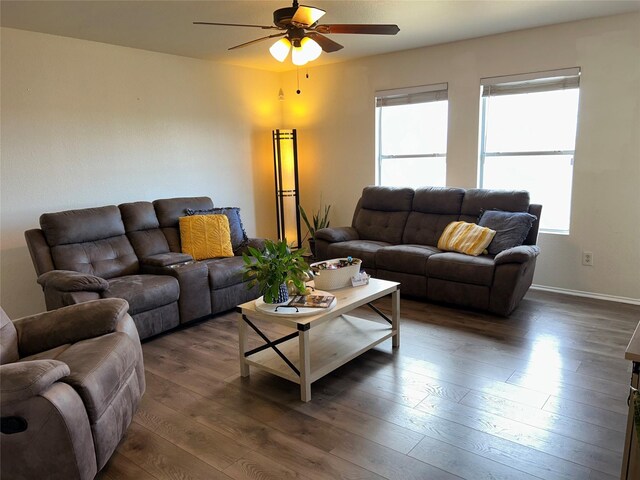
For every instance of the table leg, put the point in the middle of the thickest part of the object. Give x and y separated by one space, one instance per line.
395 318
305 366
242 344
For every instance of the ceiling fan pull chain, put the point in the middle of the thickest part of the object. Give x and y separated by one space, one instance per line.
307 75
298 79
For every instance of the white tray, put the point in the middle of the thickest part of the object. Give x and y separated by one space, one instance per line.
270 308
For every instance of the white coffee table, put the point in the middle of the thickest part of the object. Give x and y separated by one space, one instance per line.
321 342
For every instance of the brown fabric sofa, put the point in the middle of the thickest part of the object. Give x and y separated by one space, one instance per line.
395 232
133 252
71 381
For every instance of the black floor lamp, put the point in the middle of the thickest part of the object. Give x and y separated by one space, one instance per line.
285 161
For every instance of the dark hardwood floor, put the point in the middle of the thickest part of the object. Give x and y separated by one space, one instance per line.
541 395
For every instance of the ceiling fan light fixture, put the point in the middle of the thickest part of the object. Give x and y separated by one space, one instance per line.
280 49
298 56
310 49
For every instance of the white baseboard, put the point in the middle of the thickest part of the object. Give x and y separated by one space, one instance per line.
579 293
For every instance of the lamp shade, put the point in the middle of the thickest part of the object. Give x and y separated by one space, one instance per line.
308 51
297 56
310 48
285 156
280 49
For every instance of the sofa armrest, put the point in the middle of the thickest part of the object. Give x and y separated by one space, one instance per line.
165 259
337 234
195 291
70 324
520 254
23 380
69 281
71 298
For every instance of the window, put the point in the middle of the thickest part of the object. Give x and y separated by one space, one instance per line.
528 135
411 136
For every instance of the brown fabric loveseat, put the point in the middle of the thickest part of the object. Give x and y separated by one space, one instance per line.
70 383
395 232
132 251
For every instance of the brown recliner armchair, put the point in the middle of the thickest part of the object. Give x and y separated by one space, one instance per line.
70 381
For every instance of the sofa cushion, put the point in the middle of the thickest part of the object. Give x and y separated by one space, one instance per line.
138 216
224 272
458 267
206 236
410 259
143 229
467 238
477 200
144 292
239 237
169 210
387 199
99 366
381 226
365 250
511 228
426 228
441 200
83 225
106 258
89 240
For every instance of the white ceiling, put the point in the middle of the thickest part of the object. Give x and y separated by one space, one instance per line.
166 26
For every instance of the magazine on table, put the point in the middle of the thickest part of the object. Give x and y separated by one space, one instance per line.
312 301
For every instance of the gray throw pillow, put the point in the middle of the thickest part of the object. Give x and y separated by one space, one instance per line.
239 237
511 228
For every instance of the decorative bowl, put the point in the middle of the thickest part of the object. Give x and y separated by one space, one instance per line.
335 273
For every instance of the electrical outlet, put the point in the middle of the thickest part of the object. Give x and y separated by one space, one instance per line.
587 258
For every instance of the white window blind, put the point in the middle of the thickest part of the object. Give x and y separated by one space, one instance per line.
531 82
411 95
411 136
528 135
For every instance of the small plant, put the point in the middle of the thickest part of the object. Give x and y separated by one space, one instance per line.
273 267
320 220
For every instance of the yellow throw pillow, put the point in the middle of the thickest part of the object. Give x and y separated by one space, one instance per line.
466 238
206 236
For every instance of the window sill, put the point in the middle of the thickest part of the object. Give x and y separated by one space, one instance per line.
554 232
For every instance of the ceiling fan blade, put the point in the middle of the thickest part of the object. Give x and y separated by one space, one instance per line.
258 40
325 43
370 29
306 16
264 27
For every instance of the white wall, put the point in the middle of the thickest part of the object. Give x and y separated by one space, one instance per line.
89 124
335 120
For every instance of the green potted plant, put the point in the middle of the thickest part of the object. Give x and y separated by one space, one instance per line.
273 268
320 220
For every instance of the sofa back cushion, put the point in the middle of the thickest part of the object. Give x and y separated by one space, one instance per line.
143 229
476 200
382 213
168 212
239 238
90 240
433 209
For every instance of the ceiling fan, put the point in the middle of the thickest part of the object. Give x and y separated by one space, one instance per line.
300 32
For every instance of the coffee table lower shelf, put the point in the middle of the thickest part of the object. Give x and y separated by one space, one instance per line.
332 344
